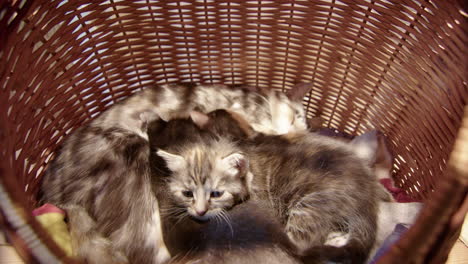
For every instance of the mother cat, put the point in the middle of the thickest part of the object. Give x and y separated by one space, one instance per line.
316 186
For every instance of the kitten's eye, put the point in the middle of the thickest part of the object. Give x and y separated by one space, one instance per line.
216 194
187 193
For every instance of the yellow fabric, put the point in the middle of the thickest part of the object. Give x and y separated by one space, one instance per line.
464 232
55 224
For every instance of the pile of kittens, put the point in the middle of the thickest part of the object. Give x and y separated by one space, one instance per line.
185 173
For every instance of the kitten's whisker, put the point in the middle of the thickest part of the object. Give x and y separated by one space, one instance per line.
172 211
218 221
176 209
227 219
179 218
165 210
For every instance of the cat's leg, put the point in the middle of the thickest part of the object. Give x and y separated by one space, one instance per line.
315 216
141 238
306 228
337 239
155 238
87 243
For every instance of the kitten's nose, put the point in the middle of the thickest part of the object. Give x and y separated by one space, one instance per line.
201 212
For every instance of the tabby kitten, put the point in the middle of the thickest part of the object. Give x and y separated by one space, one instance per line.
315 185
248 233
101 177
270 112
101 172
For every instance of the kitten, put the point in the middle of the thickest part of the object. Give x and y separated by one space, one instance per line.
101 172
246 234
372 148
270 112
101 177
314 185
180 135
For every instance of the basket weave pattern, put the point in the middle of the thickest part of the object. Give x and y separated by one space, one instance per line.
395 66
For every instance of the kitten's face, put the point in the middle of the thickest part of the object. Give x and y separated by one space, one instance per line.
287 116
205 183
299 121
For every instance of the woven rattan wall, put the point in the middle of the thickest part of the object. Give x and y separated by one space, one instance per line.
396 66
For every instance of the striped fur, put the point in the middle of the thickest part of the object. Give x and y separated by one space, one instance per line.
102 179
170 101
102 168
316 186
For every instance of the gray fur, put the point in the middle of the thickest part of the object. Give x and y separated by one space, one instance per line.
174 100
102 168
95 177
315 185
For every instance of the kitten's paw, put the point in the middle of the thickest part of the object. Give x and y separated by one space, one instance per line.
301 245
337 239
163 255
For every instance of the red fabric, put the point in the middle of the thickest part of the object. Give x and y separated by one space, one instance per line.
47 208
398 194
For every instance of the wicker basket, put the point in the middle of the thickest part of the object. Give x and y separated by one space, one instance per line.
398 66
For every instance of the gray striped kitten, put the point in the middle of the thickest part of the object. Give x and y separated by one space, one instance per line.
316 186
270 112
101 174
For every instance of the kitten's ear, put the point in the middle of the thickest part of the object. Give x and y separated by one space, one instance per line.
199 118
314 123
236 164
366 146
298 92
174 162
